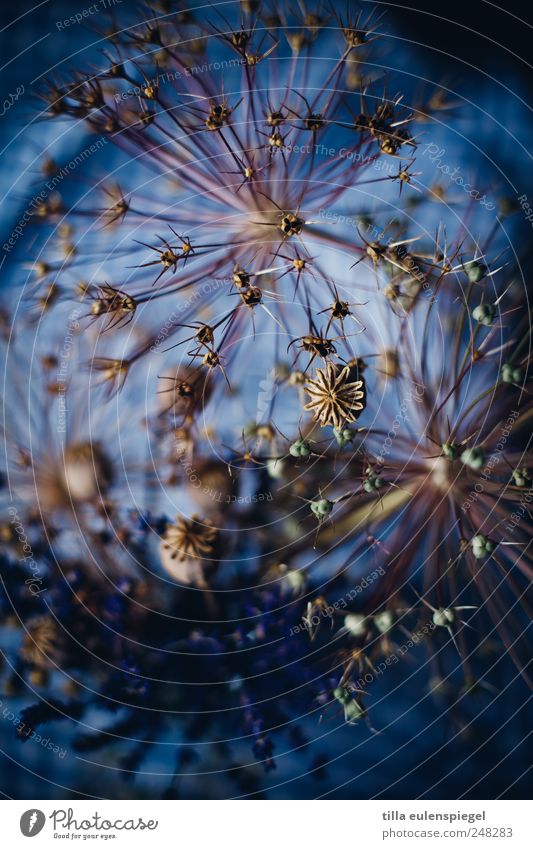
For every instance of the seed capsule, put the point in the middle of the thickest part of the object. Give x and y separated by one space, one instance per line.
342 694
449 450
521 477
300 448
241 278
474 458
353 712
343 435
481 546
322 507
372 482
476 271
484 314
443 617
512 374
291 225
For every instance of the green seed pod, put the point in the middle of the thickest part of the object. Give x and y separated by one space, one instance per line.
356 624
384 621
449 450
322 507
443 617
300 448
372 481
342 694
481 546
353 712
343 435
521 478
476 271
512 374
484 314
507 373
474 458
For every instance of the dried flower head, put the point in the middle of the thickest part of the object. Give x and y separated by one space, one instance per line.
189 538
41 645
233 271
335 398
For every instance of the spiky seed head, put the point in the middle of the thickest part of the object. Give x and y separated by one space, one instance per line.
241 278
252 296
291 225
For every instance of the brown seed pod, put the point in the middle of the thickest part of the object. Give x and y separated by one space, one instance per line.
334 399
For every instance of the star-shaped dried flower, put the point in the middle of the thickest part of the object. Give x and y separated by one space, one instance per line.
40 645
334 399
189 538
